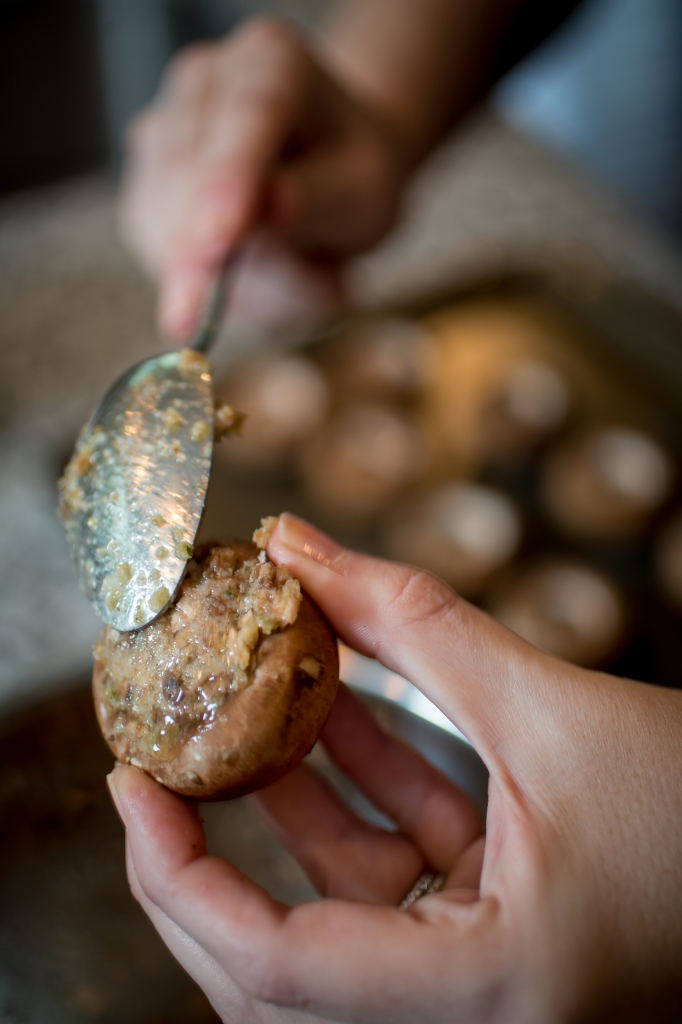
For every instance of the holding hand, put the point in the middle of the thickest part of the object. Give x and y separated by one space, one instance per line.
570 907
250 132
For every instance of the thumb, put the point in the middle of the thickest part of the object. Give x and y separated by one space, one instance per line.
501 692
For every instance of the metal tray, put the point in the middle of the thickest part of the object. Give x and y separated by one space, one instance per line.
74 945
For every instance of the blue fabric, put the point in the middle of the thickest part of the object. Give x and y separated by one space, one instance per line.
606 90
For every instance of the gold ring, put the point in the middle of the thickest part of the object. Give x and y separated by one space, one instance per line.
425 885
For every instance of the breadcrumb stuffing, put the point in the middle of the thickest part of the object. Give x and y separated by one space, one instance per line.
71 494
164 681
200 431
227 421
191 362
172 420
262 535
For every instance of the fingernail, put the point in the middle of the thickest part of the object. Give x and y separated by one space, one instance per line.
111 783
305 540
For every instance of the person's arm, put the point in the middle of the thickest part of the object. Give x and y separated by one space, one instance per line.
313 139
422 64
569 909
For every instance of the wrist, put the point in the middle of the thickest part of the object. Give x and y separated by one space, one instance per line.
407 130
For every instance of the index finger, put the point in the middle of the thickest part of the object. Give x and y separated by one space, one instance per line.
259 91
258 86
509 698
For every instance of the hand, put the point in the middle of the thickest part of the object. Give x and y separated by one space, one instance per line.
253 131
570 909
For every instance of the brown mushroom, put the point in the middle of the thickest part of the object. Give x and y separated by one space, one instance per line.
382 359
365 456
564 607
668 559
461 531
285 401
607 483
528 404
229 688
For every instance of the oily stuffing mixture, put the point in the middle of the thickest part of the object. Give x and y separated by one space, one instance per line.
165 681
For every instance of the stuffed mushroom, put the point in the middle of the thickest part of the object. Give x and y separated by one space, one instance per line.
230 687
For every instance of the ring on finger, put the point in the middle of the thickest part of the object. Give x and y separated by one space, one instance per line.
425 885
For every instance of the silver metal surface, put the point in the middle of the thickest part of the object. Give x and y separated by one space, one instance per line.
133 504
370 677
214 306
74 946
133 494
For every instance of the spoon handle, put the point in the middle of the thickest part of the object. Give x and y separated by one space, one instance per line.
212 312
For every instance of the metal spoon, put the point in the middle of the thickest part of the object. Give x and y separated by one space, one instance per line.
133 493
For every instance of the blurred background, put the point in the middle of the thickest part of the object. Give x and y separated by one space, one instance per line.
605 87
570 169
503 408
74 71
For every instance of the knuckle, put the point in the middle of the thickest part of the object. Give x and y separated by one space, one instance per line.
190 65
266 57
267 973
267 32
154 884
143 888
263 981
419 597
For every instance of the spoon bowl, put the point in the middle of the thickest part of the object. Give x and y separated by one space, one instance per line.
133 494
